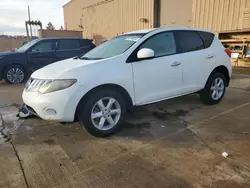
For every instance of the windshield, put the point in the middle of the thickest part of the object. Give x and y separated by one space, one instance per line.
113 47
27 46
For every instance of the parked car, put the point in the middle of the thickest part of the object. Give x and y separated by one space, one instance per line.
133 69
16 66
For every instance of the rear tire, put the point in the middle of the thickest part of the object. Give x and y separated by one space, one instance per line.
14 74
102 113
214 90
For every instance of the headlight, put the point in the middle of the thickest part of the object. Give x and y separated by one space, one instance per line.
56 85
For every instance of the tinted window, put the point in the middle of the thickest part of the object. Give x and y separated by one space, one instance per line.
207 38
190 41
43 46
162 44
68 45
86 43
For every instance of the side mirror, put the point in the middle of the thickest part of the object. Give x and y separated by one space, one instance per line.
145 53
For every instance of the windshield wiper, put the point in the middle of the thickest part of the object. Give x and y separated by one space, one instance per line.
86 58
96 58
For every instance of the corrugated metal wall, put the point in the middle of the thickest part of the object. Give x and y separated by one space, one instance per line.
176 13
73 13
109 18
104 19
221 15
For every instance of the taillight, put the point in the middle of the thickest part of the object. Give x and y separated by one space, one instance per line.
228 52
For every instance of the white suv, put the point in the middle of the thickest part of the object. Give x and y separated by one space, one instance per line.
133 69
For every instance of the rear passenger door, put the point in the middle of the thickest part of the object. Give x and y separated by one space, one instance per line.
198 58
67 48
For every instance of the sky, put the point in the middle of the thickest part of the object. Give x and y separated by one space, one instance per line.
14 13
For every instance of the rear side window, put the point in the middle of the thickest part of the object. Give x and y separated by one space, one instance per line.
68 44
86 43
207 38
189 41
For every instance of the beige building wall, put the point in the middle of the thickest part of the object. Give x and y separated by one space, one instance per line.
73 13
175 13
221 15
104 19
58 33
113 17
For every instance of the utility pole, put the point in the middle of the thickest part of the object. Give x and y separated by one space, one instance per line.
27 31
30 20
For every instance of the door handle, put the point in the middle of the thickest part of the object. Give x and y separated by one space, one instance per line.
175 64
210 56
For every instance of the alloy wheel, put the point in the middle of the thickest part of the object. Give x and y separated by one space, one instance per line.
217 88
106 113
15 75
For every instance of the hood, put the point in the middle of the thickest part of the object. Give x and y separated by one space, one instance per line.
6 53
61 69
10 54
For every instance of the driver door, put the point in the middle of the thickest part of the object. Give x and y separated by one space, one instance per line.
158 78
42 54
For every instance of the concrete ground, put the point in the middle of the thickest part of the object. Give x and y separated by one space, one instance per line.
173 144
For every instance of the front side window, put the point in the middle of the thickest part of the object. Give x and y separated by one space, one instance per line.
113 47
189 41
43 46
68 44
162 44
27 45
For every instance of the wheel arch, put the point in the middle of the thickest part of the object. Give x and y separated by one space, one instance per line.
224 70
120 89
13 64
3 70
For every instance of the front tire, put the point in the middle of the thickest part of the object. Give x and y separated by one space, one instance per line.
102 113
214 90
14 74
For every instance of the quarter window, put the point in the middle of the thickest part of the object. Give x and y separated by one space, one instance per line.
190 41
68 45
207 38
162 44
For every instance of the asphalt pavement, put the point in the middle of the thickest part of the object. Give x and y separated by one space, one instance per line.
176 143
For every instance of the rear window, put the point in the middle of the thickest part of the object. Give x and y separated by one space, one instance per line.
86 43
190 41
68 44
208 38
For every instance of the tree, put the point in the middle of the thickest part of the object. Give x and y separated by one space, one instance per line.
61 28
50 26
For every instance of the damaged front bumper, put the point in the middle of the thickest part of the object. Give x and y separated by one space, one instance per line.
26 111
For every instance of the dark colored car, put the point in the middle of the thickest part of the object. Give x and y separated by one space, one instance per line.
16 66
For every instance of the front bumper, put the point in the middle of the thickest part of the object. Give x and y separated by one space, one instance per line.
59 106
